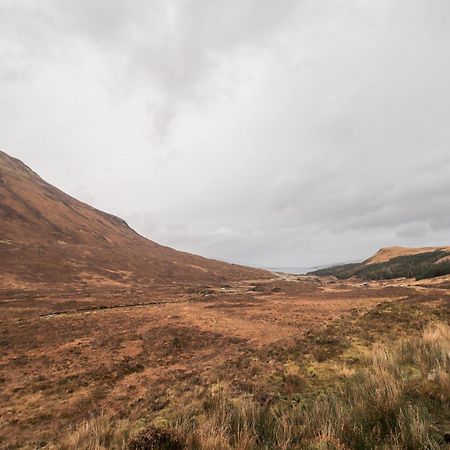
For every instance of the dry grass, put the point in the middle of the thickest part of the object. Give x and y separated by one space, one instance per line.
387 404
58 370
383 405
224 422
101 433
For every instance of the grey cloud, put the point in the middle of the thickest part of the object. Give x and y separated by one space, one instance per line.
173 44
413 230
273 133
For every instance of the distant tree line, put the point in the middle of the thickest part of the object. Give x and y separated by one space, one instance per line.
420 266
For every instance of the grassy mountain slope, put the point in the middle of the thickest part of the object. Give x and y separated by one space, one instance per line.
421 265
47 236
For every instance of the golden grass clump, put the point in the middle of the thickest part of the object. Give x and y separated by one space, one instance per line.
101 433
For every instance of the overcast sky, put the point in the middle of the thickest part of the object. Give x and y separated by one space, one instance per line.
272 133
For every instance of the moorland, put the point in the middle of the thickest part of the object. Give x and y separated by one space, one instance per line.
109 341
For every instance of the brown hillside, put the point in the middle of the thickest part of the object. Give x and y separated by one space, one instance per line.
49 236
385 254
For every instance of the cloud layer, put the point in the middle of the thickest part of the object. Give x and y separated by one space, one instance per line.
268 133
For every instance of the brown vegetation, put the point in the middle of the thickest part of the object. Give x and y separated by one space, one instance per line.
143 365
109 341
388 253
397 398
47 236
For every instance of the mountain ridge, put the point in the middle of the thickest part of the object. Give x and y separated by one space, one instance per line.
388 253
46 234
395 262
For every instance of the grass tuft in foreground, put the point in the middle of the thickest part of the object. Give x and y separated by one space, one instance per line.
100 433
398 399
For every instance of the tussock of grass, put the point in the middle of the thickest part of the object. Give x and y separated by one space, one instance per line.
383 405
395 401
430 356
100 433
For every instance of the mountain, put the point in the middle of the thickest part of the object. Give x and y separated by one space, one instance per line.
388 253
49 236
396 262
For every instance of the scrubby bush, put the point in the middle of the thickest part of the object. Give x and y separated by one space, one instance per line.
153 438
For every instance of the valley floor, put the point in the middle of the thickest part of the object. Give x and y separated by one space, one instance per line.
145 353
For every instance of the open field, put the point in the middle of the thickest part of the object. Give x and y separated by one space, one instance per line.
143 354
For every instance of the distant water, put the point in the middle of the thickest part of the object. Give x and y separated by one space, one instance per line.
302 270
294 270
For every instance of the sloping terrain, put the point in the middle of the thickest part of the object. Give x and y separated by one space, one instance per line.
388 253
420 263
104 333
47 236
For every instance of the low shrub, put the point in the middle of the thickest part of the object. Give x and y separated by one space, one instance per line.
153 438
